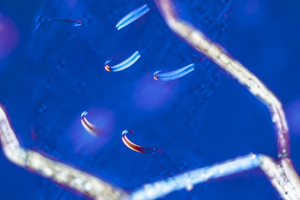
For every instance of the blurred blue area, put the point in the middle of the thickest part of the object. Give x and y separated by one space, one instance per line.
49 75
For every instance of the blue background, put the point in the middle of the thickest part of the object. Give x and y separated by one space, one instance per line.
50 74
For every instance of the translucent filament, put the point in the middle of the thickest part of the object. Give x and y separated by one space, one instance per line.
88 126
135 147
168 76
132 16
123 65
